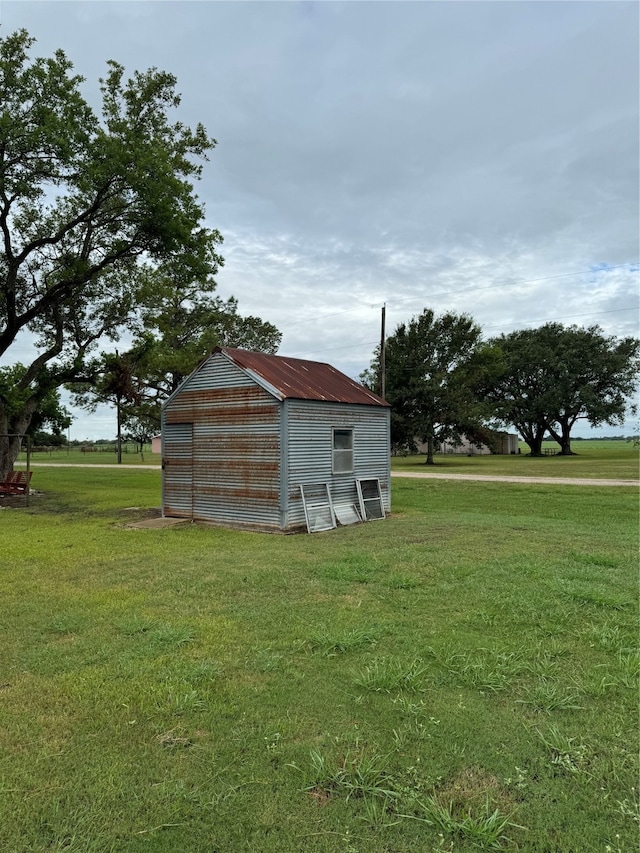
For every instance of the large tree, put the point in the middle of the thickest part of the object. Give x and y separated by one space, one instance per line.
87 200
114 380
554 376
178 327
183 324
519 395
45 407
434 365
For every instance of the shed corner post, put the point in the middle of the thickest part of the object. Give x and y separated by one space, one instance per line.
283 479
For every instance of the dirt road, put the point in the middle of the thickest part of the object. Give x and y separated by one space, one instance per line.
489 478
426 475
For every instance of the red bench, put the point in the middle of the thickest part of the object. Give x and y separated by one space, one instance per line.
16 483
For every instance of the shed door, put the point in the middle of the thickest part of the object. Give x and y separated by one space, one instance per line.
177 471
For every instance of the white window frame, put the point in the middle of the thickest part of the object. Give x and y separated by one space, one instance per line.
341 453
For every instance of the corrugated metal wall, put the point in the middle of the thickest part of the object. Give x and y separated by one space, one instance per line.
234 454
309 443
236 445
177 470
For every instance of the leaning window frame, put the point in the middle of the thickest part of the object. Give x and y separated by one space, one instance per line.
342 451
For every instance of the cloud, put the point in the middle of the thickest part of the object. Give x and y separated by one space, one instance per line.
477 157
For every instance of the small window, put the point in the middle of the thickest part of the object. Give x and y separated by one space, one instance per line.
342 451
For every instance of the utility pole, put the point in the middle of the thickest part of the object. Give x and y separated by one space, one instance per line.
118 420
382 351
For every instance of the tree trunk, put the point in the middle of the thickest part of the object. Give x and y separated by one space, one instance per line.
429 459
12 430
565 448
532 435
535 445
119 431
9 450
563 438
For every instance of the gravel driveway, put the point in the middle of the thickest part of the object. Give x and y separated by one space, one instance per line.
426 475
488 478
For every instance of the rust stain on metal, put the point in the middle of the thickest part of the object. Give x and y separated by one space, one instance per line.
239 492
224 445
301 379
198 396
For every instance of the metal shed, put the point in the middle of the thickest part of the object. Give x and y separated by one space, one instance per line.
254 441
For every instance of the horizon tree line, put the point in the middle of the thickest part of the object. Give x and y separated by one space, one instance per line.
444 381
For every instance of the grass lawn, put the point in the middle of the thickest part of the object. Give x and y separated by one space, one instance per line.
617 460
76 456
460 676
597 459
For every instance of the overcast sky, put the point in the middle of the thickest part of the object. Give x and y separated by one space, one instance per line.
477 157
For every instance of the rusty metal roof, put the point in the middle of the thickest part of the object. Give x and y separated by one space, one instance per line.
300 379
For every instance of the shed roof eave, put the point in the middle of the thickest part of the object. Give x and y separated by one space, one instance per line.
293 378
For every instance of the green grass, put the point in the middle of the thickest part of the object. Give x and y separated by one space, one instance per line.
462 676
594 459
618 460
102 456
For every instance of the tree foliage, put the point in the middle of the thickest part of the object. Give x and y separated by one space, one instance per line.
183 324
553 376
433 367
443 382
518 394
114 381
87 202
42 401
177 328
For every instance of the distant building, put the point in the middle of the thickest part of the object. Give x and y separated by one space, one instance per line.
502 443
246 431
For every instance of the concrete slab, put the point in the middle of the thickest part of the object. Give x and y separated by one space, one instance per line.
159 523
